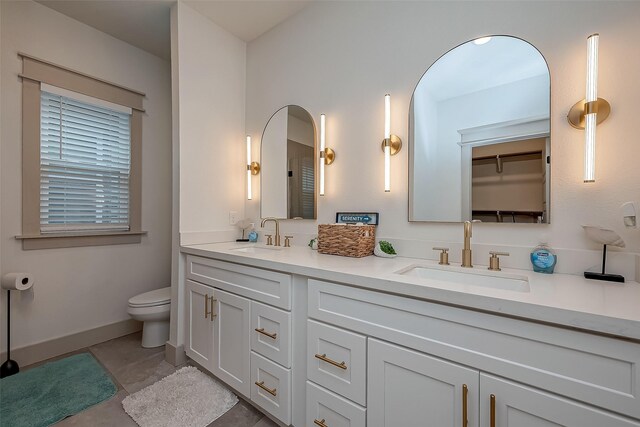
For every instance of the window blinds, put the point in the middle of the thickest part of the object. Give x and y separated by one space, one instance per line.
308 188
85 159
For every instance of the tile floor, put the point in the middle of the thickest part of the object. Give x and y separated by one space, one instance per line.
132 368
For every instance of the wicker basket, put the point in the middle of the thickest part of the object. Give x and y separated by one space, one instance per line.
346 240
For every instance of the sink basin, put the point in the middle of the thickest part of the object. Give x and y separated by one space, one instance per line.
481 278
256 249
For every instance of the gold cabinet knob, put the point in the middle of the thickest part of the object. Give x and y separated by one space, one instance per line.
444 255
287 241
494 261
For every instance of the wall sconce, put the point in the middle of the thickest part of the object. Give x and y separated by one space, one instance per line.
391 145
591 111
327 155
253 168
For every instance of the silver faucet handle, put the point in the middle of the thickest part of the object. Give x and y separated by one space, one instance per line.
287 240
494 261
444 255
269 239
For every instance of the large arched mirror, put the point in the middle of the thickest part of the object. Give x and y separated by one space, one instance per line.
288 170
480 135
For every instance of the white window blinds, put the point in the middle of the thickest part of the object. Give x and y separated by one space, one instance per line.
308 188
85 158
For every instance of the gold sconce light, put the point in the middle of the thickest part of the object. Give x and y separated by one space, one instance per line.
253 168
591 111
327 155
391 144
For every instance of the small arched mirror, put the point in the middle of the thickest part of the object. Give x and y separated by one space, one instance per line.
480 135
288 170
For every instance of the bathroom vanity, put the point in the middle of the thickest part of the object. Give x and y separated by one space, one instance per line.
320 340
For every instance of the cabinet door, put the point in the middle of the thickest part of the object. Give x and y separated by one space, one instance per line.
232 341
516 405
408 389
199 324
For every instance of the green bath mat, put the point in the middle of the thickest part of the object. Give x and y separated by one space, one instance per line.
44 395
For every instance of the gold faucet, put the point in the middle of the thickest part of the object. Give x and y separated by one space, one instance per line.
277 236
466 251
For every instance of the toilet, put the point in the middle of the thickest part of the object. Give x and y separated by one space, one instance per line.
152 308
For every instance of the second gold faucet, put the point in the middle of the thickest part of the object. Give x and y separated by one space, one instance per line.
277 236
466 250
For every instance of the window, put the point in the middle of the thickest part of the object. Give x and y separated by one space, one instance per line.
82 159
84 164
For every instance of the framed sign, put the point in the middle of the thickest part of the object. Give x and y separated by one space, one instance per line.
371 218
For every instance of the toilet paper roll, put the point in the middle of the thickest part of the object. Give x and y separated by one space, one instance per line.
17 281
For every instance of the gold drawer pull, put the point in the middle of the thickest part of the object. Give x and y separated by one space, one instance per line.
271 391
212 305
320 423
492 399
206 306
262 331
465 392
324 358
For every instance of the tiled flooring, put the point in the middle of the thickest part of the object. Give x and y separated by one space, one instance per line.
133 368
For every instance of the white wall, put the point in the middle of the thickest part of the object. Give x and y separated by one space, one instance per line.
340 58
211 85
208 84
78 289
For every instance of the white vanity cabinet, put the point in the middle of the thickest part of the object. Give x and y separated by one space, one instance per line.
516 405
421 355
338 355
234 331
199 323
408 388
232 341
218 334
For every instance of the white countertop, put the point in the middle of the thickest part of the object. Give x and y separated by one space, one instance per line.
562 299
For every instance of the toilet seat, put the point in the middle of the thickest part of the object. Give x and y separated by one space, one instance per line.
154 298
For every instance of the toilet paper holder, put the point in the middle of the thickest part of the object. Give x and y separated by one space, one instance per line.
12 282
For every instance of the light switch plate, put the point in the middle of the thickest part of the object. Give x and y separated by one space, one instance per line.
233 217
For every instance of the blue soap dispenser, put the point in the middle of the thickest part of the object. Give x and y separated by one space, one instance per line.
543 258
253 234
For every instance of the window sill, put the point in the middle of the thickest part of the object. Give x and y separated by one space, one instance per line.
78 239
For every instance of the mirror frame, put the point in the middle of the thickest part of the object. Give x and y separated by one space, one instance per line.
315 163
411 138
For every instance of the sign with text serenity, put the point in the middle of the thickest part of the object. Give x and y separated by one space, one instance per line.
356 217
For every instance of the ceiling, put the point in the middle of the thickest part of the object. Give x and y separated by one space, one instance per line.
145 23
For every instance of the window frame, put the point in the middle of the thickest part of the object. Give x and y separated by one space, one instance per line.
35 72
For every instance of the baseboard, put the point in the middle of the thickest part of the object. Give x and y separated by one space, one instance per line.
34 353
175 355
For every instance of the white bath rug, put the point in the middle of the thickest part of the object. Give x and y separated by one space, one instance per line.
185 398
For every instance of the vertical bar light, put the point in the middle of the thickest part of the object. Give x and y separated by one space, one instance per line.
322 152
387 146
591 109
249 167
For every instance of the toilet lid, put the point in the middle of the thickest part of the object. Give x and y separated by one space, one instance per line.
152 298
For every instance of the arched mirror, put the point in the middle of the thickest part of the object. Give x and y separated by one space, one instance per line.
479 134
288 170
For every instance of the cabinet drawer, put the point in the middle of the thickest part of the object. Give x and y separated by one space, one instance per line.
328 409
261 285
271 333
598 370
271 387
517 405
336 359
